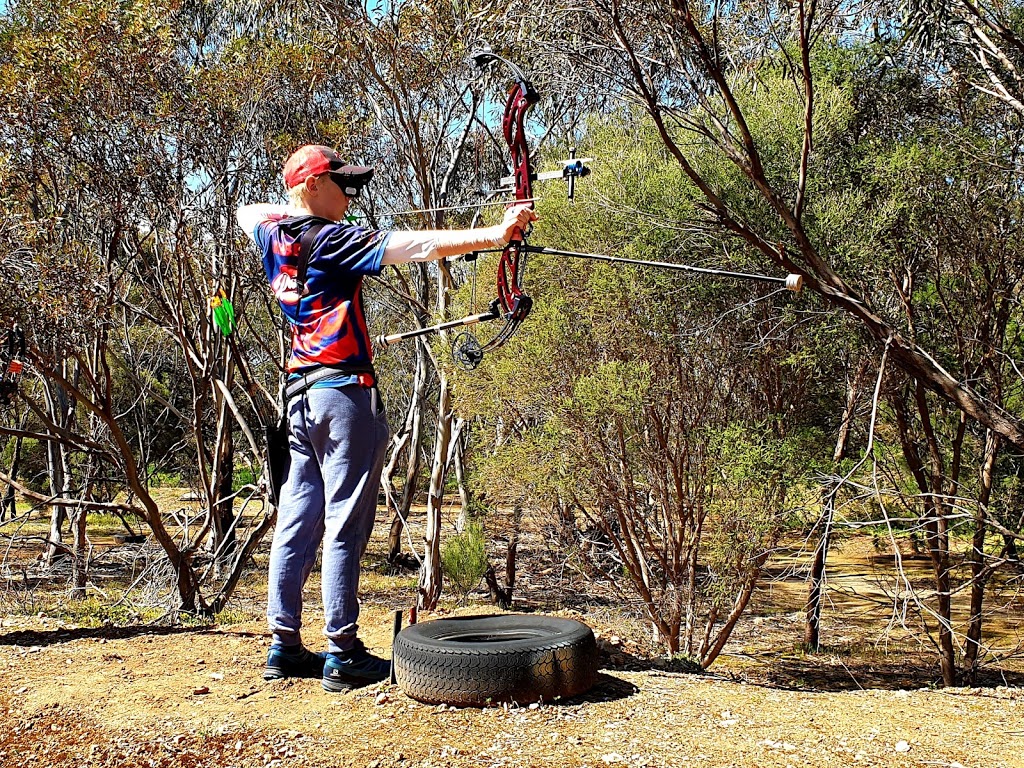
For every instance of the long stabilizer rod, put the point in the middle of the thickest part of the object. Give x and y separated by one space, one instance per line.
792 282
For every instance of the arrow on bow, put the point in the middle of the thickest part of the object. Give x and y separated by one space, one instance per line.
512 303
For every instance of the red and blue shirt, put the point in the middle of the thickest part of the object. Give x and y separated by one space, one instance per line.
328 322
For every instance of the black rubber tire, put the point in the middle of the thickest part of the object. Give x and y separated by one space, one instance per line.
486 660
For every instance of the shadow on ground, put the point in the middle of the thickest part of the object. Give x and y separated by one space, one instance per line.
607 688
820 674
43 638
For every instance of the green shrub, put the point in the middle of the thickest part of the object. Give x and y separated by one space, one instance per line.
464 558
165 479
242 476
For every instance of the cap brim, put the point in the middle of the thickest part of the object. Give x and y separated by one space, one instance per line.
357 174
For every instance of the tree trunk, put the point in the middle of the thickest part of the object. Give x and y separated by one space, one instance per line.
935 522
513 547
225 538
947 650
430 571
414 428
501 595
459 458
979 573
812 627
80 552
937 533
712 651
1011 553
9 505
816 579
55 536
58 513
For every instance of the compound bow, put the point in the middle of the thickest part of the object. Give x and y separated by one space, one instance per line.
512 303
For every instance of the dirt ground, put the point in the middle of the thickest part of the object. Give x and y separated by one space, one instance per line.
195 698
144 696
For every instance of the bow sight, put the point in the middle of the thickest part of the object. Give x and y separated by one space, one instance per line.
572 169
11 354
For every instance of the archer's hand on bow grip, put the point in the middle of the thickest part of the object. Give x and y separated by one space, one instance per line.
517 218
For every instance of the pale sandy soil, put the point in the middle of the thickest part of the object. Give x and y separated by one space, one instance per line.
195 698
73 696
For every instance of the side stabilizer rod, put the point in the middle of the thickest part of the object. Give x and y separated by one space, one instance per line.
491 314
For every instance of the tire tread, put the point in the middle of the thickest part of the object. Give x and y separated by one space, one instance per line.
559 666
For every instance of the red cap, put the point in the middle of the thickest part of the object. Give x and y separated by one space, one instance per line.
314 159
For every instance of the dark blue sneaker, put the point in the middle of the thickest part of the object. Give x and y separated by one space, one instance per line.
353 669
285 661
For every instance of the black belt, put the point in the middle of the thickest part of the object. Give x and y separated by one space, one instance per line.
297 386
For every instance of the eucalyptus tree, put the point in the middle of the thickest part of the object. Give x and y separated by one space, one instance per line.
981 43
700 71
136 132
684 63
662 413
961 274
73 185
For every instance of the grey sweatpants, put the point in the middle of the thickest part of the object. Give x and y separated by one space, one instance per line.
338 444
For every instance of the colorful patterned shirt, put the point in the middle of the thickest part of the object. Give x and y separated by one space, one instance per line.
328 323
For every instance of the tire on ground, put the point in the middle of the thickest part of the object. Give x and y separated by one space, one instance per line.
485 660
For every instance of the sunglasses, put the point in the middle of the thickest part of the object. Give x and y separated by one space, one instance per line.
345 184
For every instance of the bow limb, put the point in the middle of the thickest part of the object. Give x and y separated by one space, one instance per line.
514 302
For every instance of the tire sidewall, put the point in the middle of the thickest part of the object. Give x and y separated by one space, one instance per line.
485 660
